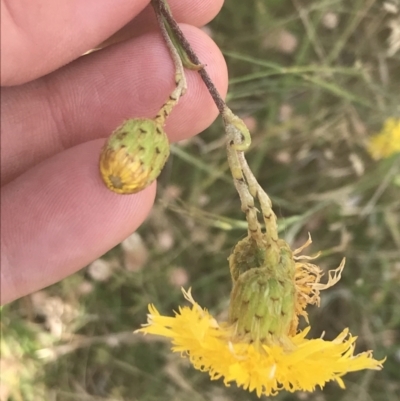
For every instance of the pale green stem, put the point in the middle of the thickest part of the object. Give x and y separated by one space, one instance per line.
238 140
180 79
256 190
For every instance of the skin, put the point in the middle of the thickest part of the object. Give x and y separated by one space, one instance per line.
57 110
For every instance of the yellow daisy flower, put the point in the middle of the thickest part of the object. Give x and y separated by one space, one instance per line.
387 142
291 362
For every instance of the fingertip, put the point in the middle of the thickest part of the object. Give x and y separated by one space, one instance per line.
44 35
197 13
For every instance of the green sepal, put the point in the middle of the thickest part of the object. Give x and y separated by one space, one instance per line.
262 304
134 155
144 139
249 254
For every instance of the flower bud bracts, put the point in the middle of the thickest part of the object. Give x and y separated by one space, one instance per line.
134 155
263 298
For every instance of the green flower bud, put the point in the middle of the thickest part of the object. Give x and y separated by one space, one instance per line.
263 298
134 155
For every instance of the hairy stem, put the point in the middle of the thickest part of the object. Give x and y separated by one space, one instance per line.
180 78
191 54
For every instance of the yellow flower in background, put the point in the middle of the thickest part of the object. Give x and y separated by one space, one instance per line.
286 360
387 142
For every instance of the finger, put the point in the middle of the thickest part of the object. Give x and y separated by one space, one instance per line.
91 97
43 35
58 217
196 14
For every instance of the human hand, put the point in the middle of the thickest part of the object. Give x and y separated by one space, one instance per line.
57 214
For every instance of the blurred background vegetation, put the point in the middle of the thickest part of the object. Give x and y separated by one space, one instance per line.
314 80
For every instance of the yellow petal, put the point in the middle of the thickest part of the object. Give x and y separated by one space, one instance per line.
266 369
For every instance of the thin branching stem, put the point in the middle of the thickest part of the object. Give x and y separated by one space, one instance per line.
180 78
238 140
164 9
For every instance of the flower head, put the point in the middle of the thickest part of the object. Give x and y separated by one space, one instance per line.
265 362
387 142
